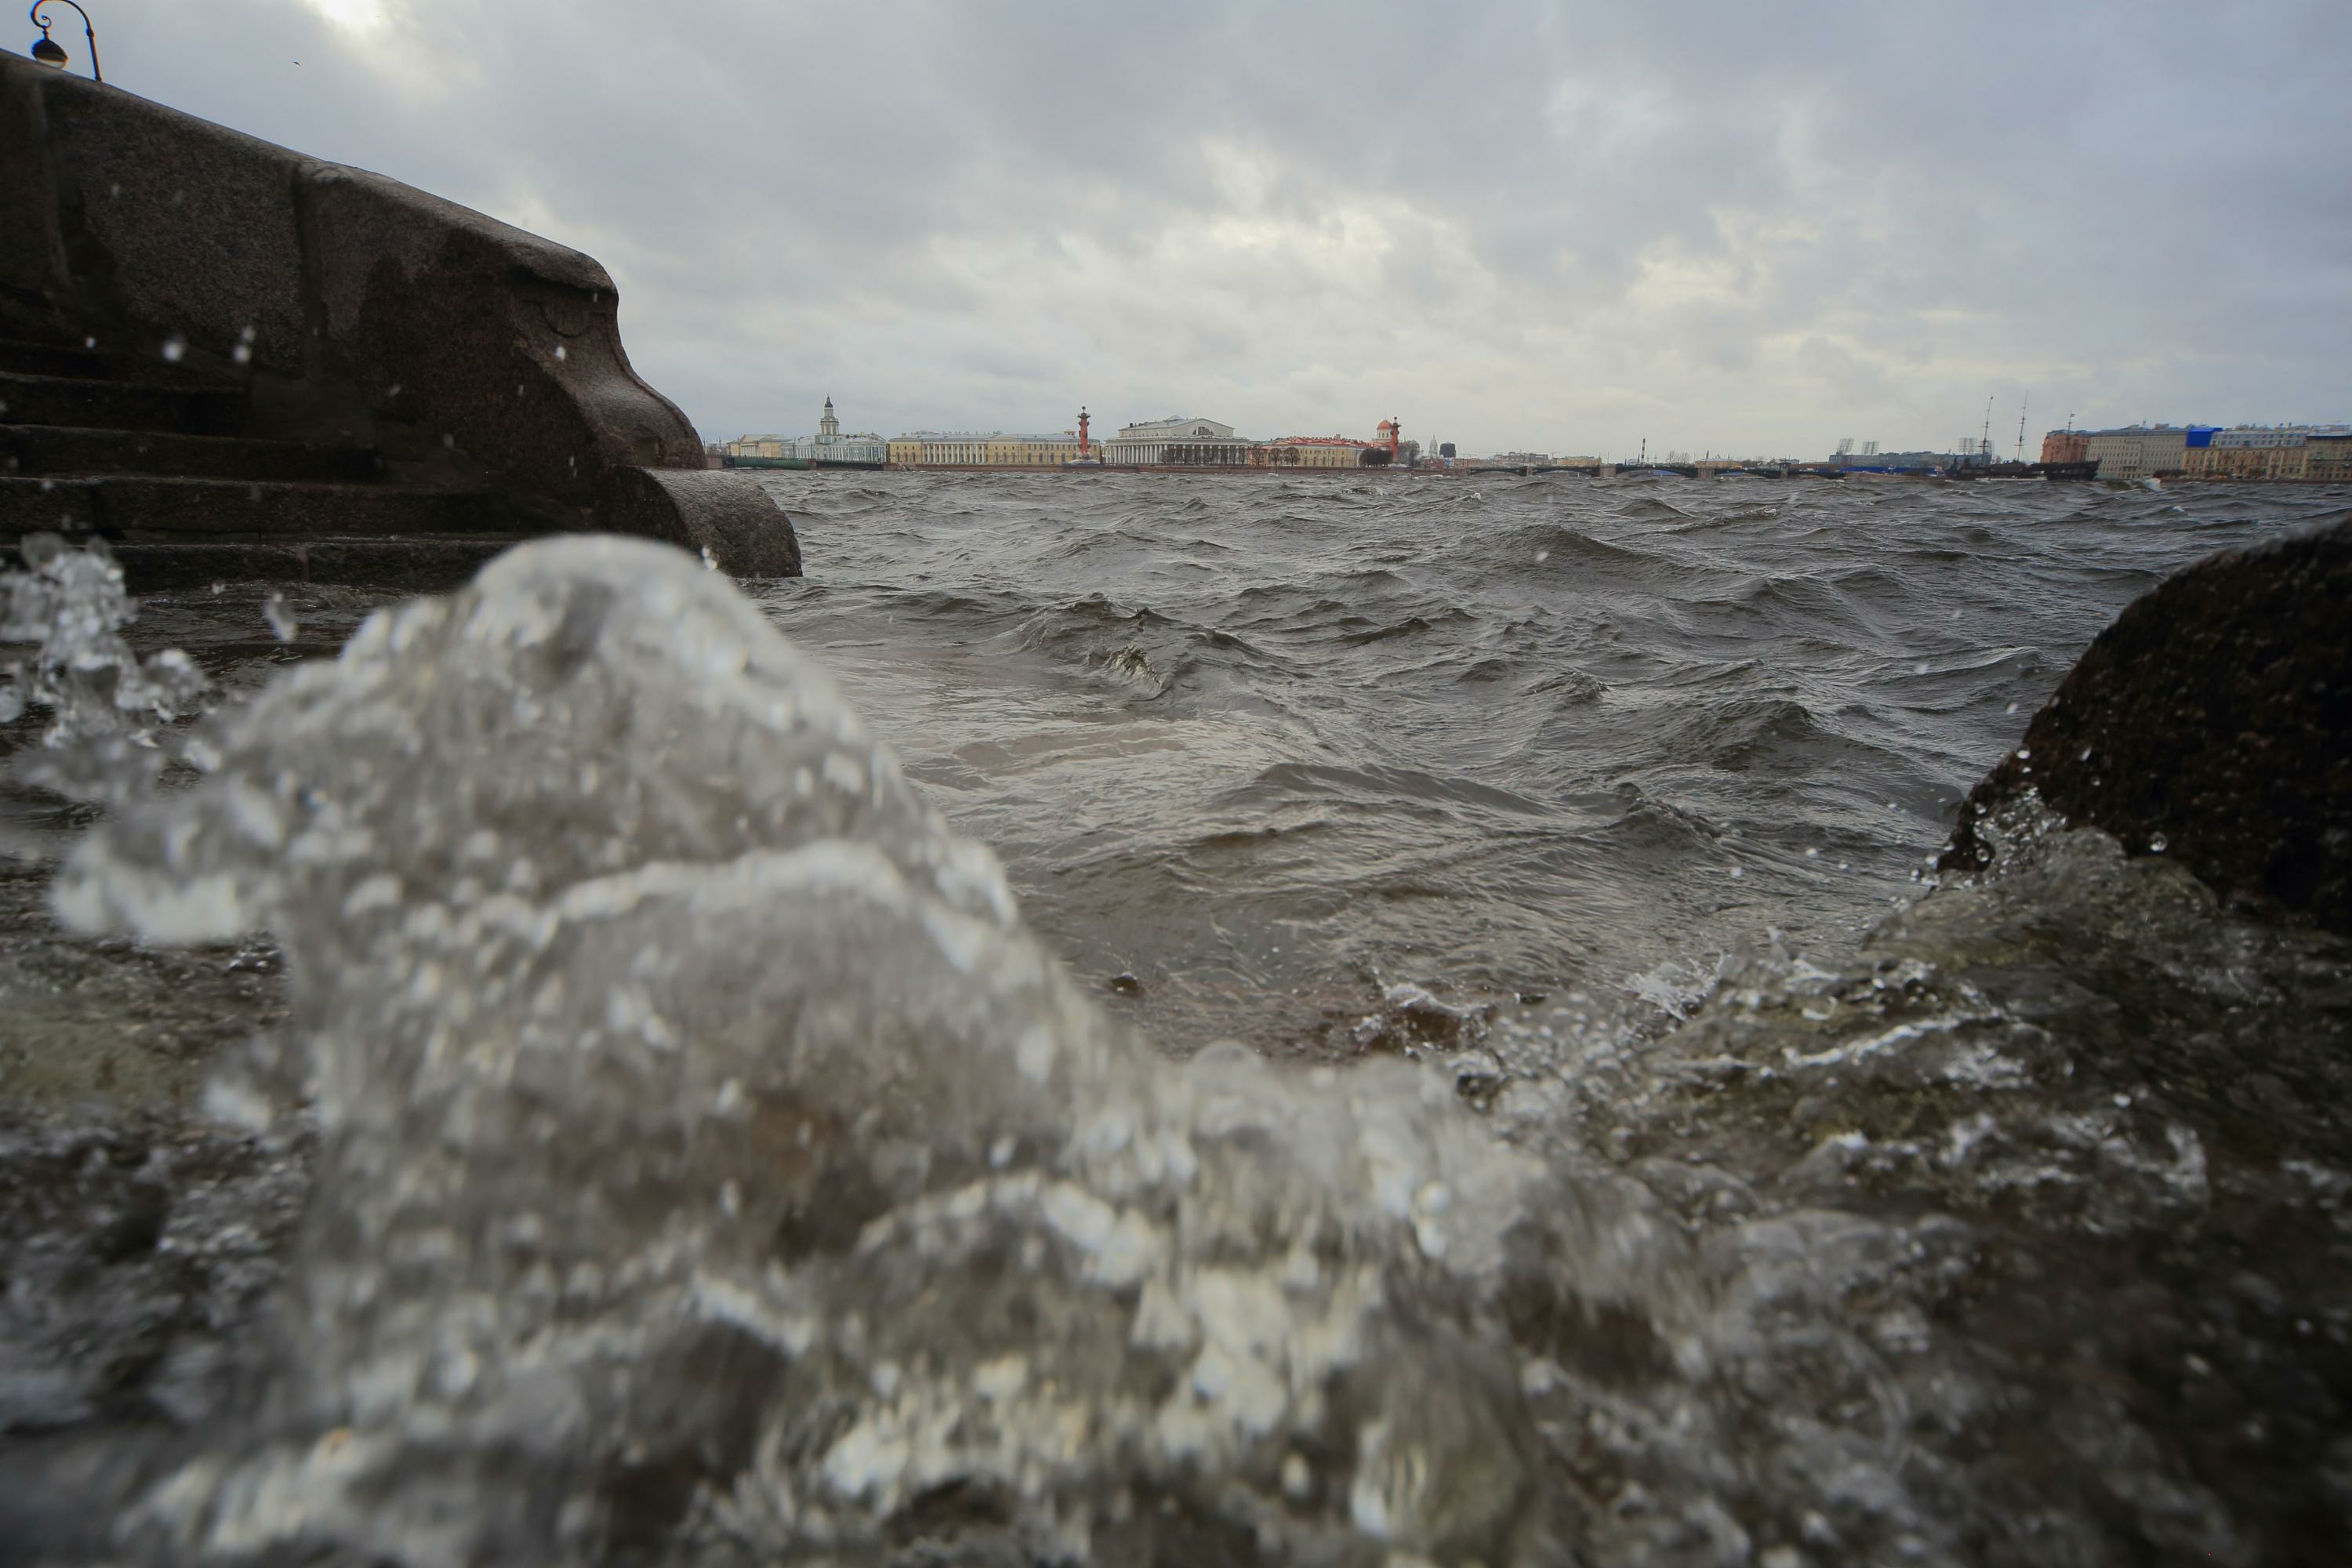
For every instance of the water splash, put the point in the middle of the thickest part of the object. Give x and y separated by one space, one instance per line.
709 1155
106 704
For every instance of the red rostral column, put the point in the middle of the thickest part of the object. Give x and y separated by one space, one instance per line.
1396 429
1082 430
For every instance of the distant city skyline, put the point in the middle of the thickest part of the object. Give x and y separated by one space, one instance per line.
2029 443
1710 225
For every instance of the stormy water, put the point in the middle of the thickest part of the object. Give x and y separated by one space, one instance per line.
1157 1019
1268 748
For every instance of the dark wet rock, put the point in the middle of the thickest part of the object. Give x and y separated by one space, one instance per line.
2211 723
1411 1017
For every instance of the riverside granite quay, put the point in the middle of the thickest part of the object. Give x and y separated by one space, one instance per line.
226 359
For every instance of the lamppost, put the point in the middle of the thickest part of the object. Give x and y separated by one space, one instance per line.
49 52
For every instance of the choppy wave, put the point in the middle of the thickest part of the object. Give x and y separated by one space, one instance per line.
1547 636
701 1159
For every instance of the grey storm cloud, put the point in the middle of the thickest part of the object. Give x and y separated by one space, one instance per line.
1569 227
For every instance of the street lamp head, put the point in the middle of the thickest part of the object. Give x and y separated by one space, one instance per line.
49 51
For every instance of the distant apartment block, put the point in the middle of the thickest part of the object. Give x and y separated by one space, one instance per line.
2291 453
2140 451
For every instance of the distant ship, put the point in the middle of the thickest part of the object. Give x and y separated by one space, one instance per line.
2022 471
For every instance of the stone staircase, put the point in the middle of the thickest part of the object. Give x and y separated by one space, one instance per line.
156 458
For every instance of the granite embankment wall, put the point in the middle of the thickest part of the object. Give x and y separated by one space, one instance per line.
360 309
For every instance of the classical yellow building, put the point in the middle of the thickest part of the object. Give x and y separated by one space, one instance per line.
1033 451
973 449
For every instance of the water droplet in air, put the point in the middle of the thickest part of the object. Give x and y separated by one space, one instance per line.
447 440
2086 754
393 390
282 623
2012 708
89 342
1813 854
2023 754
560 354
1920 669
1738 872
710 561
1542 556
174 347
2157 843
248 335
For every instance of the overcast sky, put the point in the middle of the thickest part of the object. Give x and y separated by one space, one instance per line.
1568 227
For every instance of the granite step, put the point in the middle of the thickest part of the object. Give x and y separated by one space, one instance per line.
57 451
96 364
87 403
142 510
425 565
